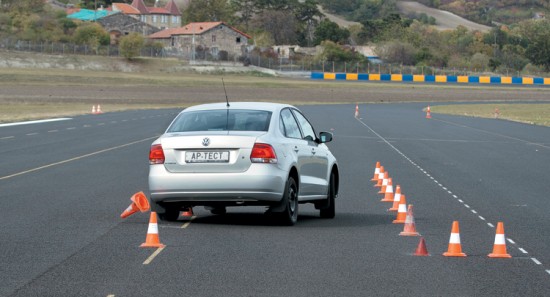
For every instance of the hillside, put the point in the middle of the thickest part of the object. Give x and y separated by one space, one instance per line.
444 20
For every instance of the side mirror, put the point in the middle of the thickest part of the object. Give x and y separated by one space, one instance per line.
325 137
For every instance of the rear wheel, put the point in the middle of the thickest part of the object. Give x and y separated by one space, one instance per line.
329 211
289 216
218 211
170 214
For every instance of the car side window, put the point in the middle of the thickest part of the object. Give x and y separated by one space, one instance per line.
289 125
307 129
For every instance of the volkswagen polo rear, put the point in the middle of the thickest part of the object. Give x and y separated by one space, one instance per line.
216 156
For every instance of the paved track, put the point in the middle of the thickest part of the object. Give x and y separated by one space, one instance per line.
61 233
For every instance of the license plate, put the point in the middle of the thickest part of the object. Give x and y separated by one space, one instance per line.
207 157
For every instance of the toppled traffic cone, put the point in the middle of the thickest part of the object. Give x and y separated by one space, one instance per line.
410 228
152 239
455 248
188 212
421 250
139 203
356 110
499 248
401 211
428 113
396 199
376 172
388 195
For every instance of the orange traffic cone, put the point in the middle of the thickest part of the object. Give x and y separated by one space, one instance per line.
396 199
382 181
152 239
385 183
410 228
428 113
499 248
356 110
376 172
98 109
139 202
380 176
388 196
455 248
402 211
93 109
188 212
421 250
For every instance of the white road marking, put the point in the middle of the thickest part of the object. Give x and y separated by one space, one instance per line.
536 261
34 122
31 134
456 197
76 158
101 124
188 223
466 205
510 241
481 218
71 128
474 211
53 131
491 225
460 200
152 257
548 271
7 137
523 251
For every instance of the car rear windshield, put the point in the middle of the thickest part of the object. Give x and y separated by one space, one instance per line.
221 120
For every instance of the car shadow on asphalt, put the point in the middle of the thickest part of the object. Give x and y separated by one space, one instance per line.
304 220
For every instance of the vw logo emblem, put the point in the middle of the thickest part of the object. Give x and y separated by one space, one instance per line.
206 141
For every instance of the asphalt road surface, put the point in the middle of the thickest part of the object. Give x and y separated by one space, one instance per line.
64 184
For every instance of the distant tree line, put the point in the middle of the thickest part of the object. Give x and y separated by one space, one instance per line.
397 39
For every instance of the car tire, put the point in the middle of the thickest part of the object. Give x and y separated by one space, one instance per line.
329 211
289 216
218 211
170 214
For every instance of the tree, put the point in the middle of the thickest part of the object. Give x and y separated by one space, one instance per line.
131 45
208 11
282 26
328 30
92 35
246 9
337 53
537 32
397 52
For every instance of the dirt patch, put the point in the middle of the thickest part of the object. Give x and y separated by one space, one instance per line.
444 20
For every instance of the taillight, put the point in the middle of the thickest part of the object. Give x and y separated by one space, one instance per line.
263 153
156 154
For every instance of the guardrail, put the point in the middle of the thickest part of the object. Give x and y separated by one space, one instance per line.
459 79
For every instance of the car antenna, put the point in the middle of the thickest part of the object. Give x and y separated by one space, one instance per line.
226 99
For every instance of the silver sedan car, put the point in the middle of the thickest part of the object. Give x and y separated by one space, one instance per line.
242 153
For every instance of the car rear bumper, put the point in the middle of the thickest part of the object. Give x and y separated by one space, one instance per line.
261 182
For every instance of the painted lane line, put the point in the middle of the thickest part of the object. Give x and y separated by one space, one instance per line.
536 261
111 295
31 134
53 131
86 126
510 241
473 211
548 271
76 158
481 218
523 251
101 124
466 205
188 223
34 122
7 137
152 257
71 128
460 200
454 196
444 188
450 193
490 225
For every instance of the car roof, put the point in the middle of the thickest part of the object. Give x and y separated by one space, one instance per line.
268 106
